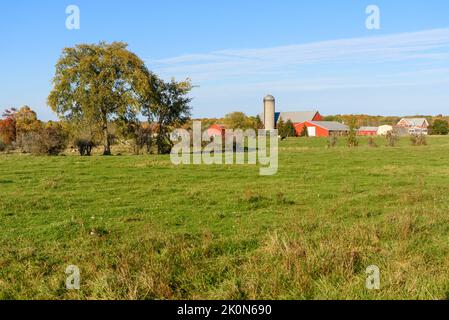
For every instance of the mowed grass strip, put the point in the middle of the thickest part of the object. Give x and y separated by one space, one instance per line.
139 227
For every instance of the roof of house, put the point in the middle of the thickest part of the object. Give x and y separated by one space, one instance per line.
369 129
295 117
415 121
217 126
330 125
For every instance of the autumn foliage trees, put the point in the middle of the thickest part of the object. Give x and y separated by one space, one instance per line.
20 129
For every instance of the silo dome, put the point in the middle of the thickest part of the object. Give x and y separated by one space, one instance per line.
269 98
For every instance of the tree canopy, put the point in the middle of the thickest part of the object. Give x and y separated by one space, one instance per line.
100 82
440 127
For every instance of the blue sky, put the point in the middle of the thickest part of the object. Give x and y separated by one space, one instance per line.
309 54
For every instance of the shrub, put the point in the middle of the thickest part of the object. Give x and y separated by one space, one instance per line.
332 141
372 142
84 146
51 140
422 140
2 146
391 139
31 142
418 140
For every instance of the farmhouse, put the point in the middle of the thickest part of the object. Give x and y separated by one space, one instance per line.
414 125
367 131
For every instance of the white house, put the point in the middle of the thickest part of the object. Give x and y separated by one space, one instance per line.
415 125
383 130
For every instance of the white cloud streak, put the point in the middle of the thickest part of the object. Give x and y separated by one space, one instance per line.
227 64
401 73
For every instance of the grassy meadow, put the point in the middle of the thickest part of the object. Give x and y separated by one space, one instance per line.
139 227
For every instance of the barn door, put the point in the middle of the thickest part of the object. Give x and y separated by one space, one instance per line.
311 131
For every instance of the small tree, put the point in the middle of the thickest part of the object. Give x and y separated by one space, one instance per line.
281 129
418 140
290 129
53 138
371 142
332 141
305 131
84 146
391 138
352 136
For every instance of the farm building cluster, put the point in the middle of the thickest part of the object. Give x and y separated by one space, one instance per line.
316 126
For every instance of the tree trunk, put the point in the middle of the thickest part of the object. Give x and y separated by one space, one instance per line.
160 141
107 147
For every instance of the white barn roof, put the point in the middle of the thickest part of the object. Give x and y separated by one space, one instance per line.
331 125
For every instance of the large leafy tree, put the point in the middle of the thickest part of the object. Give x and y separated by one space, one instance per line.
99 83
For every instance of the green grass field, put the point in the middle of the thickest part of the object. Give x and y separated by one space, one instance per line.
140 228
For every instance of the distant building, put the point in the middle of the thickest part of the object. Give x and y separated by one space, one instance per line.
383 130
325 128
367 131
216 130
298 118
414 125
271 118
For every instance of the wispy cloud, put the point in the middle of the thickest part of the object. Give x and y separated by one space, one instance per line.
219 65
396 71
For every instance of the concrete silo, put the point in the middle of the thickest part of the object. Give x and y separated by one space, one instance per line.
269 104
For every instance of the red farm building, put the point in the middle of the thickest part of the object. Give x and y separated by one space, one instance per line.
325 128
367 131
216 130
297 118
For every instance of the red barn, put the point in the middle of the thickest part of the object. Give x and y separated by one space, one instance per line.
325 128
367 131
298 118
216 130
